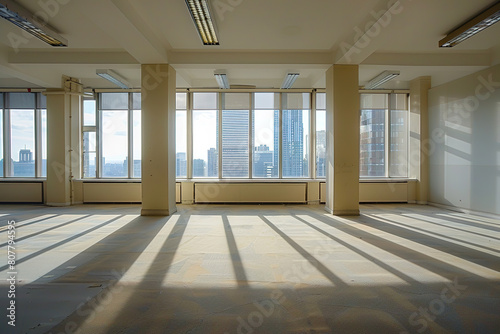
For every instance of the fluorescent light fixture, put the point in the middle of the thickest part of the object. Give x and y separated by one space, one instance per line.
381 79
25 20
200 13
289 80
482 21
221 78
113 77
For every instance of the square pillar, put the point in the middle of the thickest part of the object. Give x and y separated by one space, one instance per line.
419 137
58 149
158 139
342 127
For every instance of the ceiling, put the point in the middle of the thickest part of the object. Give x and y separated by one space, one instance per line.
260 41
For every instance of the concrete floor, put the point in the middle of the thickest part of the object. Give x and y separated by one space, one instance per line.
252 269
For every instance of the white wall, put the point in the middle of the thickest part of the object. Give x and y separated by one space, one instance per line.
464 144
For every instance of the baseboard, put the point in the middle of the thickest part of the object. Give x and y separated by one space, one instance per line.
59 204
155 212
346 212
467 211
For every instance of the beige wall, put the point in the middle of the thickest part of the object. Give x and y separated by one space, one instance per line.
464 144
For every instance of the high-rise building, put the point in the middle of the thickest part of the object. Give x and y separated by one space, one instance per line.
235 125
293 144
181 165
263 161
320 153
212 162
198 168
25 155
372 143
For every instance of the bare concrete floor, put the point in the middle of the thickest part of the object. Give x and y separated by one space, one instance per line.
251 269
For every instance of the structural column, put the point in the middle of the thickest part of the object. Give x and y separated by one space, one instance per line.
158 139
419 137
342 126
63 141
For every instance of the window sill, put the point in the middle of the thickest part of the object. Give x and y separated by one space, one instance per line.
23 179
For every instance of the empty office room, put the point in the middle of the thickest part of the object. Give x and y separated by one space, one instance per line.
241 167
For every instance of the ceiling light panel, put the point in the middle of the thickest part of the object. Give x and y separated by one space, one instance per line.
203 20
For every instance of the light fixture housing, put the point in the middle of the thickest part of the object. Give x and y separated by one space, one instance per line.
482 21
203 20
113 77
221 78
381 79
25 20
289 80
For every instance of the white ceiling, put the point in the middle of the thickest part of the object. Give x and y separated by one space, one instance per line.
260 41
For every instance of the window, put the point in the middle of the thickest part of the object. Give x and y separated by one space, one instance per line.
181 135
23 135
89 139
384 135
205 135
112 136
320 135
235 130
295 135
265 135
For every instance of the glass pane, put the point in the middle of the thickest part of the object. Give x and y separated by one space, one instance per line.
399 144
180 101
374 101
181 143
233 101
320 143
114 101
372 142
89 155
1 139
114 143
1 100
23 142
21 100
89 160
296 101
265 143
205 143
137 142
89 112
320 100
266 100
295 139
235 143
205 100
136 101
44 142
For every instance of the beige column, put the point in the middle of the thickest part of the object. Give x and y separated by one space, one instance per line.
419 137
58 148
342 126
158 139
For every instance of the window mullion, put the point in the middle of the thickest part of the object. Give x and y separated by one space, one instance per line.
387 134
280 136
219 135
7 138
250 136
312 137
130 159
189 132
38 137
98 134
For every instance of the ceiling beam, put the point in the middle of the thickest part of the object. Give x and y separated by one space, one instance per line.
75 57
430 59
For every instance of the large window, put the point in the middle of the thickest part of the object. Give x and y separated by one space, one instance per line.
112 136
320 135
205 135
181 135
265 124
235 131
384 135
295 135
23 131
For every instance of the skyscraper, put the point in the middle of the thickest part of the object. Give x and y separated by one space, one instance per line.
293 144
212 162
263 161
235 143
181 165
198 168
